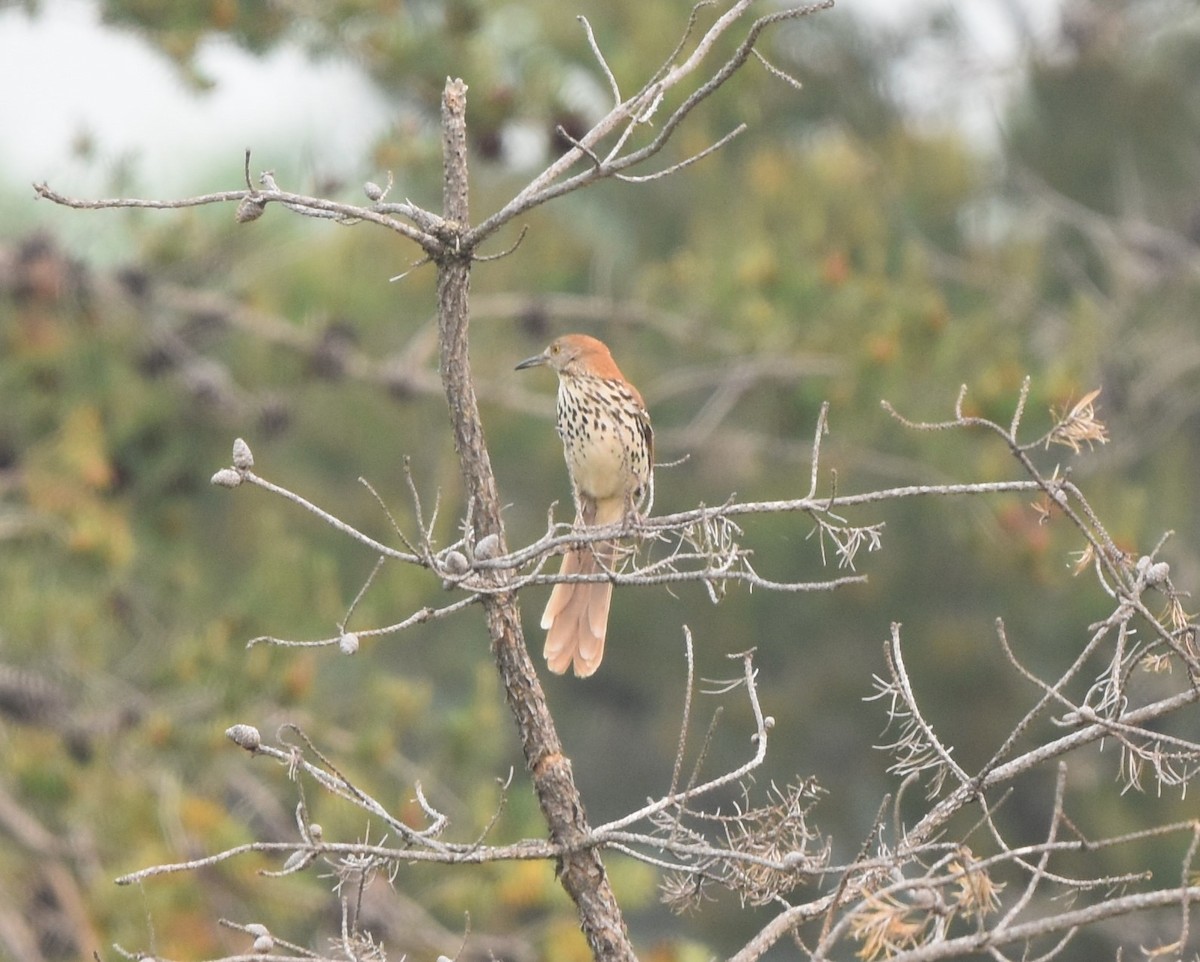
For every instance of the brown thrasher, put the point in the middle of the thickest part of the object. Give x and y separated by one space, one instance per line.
609 448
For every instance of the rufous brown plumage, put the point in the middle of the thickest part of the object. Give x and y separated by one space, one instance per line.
609 449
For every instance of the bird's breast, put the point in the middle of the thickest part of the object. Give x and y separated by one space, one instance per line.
600 429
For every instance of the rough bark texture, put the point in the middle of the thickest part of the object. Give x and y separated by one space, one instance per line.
581 870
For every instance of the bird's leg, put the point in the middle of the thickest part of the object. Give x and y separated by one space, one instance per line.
585 509
630 519
633 516
585 516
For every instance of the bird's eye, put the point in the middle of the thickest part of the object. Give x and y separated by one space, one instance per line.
554 348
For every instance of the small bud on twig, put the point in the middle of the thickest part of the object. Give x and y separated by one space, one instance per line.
249 209
226 478
348 643
488 548
454 566
244 736
1153 573
243 459
1158 573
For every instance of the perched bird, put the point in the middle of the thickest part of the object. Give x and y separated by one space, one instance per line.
609 448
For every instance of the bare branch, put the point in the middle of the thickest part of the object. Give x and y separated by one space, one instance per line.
332 521
675 168
638 109
419 617
301 203
612 81
778 74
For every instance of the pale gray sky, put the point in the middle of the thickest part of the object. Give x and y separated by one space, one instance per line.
64 74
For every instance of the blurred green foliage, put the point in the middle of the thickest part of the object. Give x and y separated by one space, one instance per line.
837 238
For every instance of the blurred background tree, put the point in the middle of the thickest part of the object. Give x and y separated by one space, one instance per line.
850 247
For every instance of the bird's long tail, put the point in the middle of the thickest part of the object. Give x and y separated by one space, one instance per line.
576 616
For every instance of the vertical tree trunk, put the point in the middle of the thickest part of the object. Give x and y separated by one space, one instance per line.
581 870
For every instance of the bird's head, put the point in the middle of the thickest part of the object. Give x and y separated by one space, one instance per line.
574 355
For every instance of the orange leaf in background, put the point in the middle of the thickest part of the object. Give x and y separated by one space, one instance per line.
83 448
224 14
102 529
184 931
523 885
68 476
835 269
200 816
298 678
882 348
564 942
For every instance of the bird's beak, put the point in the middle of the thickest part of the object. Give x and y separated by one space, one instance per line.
536 361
